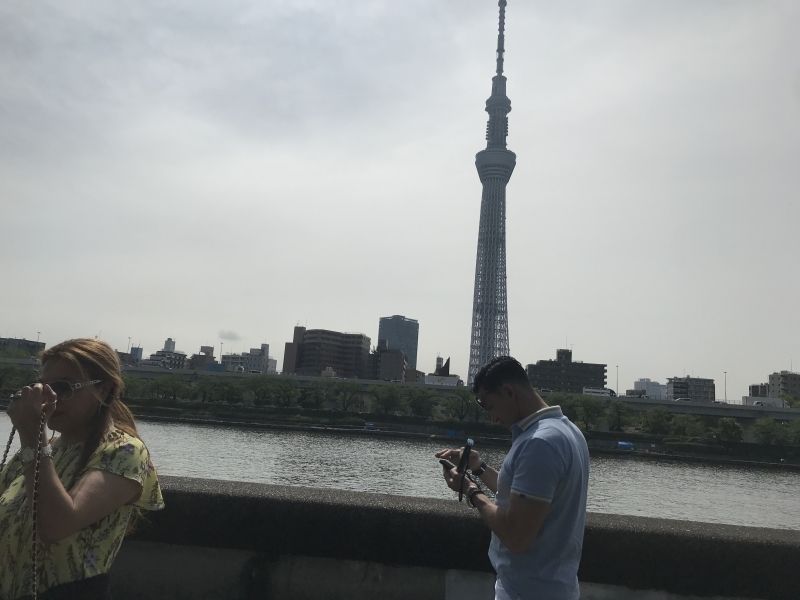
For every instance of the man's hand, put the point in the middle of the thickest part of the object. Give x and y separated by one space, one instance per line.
454 456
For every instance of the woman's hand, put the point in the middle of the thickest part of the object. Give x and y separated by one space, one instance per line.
26 412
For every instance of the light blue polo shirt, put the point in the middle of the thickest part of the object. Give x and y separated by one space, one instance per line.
548 460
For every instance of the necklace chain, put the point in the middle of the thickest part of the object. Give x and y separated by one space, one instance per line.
35 501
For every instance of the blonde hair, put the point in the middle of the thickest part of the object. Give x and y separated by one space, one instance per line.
97 360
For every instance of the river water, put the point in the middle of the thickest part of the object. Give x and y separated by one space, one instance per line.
625 485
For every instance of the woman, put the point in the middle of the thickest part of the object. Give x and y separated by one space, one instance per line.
92 481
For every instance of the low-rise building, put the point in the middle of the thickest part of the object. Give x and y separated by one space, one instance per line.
204 360
652 389
694 389
784 384
313 350
20 348
254 361
167 358
565 375
388 364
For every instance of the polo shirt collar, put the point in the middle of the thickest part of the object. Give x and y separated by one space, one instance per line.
548 412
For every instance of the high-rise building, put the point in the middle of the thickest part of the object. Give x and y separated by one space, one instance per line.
312 351
695 389
400 333
489 337
564 375
169 345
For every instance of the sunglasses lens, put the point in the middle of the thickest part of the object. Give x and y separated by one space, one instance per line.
61 388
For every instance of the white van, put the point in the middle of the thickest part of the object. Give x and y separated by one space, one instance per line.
604 392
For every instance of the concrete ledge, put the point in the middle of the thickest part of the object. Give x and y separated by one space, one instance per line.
247 538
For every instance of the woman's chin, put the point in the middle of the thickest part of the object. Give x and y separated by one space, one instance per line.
55 423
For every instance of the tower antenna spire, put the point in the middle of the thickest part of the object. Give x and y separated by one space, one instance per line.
495 164
501 36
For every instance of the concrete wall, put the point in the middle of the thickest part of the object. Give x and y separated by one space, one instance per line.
241 540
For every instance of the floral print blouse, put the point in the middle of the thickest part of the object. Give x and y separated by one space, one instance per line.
88 552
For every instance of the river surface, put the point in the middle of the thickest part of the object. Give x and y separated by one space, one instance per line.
691 491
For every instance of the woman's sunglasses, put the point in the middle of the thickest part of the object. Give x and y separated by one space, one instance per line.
64 389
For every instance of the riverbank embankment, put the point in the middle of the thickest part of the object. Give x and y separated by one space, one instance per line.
451 437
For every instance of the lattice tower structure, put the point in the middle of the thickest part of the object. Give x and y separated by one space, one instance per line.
495 164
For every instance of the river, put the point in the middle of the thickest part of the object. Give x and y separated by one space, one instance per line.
736 495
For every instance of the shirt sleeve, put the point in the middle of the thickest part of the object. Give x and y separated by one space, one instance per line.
538 470
128 457
10 472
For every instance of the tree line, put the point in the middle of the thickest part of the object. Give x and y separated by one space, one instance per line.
421 402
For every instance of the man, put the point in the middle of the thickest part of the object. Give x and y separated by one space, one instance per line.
538 517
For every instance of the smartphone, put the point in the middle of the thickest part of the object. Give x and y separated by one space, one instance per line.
446 464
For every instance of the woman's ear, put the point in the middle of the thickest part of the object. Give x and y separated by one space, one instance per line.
106 392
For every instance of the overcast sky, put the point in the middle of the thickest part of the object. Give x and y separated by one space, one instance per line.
223 171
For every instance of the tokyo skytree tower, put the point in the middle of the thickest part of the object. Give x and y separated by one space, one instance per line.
495 164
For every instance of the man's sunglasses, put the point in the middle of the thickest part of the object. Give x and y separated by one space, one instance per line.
481 403
64 389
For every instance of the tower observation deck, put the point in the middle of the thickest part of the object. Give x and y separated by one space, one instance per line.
495 164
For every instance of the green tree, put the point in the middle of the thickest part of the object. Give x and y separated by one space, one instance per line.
313 396
589 412
174 387
793 431
388 398
135 387
570 404
13 378
285 393
204 389
687 426
791 401
770 432
729 430
656 421
458 404
617 414
262 388
419 402
346 393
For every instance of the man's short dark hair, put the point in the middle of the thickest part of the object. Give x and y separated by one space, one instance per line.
499 371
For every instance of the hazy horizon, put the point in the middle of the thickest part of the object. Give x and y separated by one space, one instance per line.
224 171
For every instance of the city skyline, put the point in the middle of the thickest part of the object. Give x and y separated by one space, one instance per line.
187 174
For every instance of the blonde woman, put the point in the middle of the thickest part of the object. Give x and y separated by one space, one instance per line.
90 484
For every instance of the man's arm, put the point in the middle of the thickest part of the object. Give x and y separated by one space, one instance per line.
519 524
489 478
